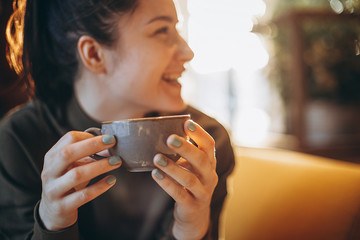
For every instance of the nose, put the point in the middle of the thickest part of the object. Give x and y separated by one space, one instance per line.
184 51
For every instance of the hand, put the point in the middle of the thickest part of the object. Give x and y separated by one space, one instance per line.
190 181
66 173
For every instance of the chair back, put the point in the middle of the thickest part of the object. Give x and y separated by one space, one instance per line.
286 195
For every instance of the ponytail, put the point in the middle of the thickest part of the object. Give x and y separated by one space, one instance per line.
47 32
14 36
52 76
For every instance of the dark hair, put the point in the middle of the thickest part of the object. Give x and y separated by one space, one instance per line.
51 32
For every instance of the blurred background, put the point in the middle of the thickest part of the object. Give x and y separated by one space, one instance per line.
276 73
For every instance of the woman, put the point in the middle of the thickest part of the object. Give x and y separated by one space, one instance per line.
93 61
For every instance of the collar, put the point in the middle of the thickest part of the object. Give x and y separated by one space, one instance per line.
79 120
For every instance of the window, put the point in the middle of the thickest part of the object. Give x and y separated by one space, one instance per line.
224 79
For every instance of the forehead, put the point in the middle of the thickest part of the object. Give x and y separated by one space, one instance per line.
148 10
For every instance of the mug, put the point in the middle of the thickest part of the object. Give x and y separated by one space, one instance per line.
138 140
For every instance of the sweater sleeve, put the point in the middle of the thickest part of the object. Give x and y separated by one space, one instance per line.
20 192
225 165
20 187
41 233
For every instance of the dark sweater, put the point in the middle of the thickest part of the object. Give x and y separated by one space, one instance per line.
135 208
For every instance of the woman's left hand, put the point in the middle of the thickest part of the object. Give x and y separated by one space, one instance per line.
190 181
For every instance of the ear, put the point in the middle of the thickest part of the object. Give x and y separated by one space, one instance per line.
91 54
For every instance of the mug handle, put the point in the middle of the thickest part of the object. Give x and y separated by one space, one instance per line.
96 132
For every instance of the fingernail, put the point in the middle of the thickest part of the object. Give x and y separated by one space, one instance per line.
191 126
161 160
108 139
111 180
158 174
114 160
175 141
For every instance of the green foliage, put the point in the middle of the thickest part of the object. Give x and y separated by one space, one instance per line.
331 50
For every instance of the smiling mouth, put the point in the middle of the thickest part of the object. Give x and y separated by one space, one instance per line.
172 78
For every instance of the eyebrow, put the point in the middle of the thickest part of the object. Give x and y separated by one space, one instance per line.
161 18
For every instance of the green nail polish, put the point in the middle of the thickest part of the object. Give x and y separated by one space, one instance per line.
191 126
111 180
108 139
161 160
158 174
114 160
176 142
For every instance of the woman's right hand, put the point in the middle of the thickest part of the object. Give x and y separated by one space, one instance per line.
66 173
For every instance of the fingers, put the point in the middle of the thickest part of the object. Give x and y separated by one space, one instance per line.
194 175
79 198
184 179
180 183
191 180
84 173
71 137
57 214
66 173
74 146
203 139
179 193
197 158
202 158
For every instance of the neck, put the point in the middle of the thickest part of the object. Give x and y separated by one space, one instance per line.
100 107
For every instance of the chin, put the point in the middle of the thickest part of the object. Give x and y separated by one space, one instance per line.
175 107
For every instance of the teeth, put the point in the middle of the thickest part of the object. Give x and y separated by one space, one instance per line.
171 77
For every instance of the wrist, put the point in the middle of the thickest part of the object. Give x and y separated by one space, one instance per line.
40 232
44 221
192 230
54 223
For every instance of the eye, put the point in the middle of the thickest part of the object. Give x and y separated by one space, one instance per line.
162 30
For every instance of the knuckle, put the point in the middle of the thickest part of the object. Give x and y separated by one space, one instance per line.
204 195
45 175
166 184
75 175
83 196
190 181
211 142
203 159
65 152
47 155
96 143
47 158
70 136
215 178
180 193
50 193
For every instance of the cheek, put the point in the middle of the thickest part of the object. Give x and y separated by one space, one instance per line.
140 72
137 84
123 73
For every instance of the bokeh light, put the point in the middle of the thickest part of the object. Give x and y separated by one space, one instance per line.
220 35
219 32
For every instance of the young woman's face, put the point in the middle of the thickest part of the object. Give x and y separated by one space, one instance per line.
148 58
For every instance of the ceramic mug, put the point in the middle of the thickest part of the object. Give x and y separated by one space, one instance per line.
139 140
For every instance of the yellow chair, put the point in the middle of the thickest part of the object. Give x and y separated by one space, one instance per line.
285 195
